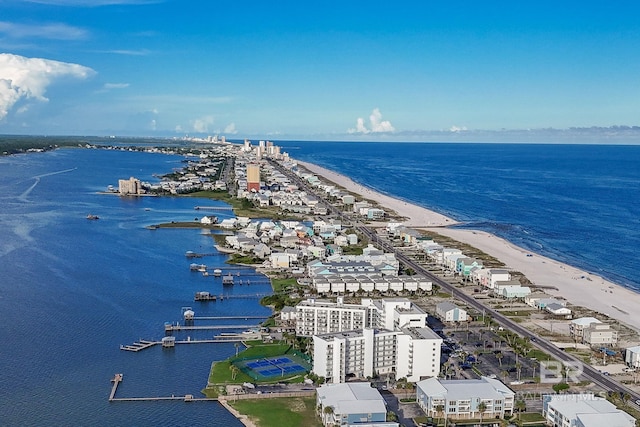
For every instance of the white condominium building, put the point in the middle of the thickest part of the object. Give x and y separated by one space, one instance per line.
461 399
314 317
411 353
583 410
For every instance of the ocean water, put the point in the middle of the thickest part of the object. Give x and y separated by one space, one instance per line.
73 290
579 204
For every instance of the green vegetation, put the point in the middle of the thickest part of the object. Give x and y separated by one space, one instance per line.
244 259
242 206
560 387
15 144
280 412
225 372
281 285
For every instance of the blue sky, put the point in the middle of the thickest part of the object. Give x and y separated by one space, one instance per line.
331 69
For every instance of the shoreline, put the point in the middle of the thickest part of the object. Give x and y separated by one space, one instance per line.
578 287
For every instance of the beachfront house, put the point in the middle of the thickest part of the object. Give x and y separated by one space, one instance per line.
558 309
591 331
351 404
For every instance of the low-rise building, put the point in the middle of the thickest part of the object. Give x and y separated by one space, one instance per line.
449 312
462 399
352 404
592 331
583 410
632 356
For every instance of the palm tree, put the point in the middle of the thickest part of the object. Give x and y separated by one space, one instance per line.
499 356
518 369
520 406
482 408
328 410
439 410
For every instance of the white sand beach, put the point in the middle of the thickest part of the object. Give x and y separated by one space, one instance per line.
576 286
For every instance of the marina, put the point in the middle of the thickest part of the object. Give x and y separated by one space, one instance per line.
222 338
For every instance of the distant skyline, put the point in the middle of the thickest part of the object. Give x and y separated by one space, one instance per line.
355 70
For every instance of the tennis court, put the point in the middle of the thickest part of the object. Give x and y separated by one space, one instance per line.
279 366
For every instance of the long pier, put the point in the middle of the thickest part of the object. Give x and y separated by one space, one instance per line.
213 208
117 379
205 328
228 317
217 339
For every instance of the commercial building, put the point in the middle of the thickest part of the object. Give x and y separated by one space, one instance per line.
352 404
462 399
583 410
632 356
412 353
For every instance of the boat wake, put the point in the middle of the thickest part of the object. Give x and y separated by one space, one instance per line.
23 197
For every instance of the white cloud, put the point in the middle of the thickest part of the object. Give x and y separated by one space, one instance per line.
54 31
455 128
376 124
230 129
108 86
24 78
202 124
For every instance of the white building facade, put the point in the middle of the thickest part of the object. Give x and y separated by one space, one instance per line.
412 353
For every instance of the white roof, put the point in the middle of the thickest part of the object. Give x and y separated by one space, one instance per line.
587 407
485 388
585 321
351 398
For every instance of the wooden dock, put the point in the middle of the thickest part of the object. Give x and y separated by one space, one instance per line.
171 328
228 317
139 345
117 379
216 339
116 382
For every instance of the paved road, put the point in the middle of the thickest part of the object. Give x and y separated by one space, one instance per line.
607 383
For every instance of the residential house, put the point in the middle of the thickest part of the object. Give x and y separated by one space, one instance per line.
449 312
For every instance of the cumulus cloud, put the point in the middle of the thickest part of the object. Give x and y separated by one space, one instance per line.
202 124
376 124
230 129
24 78
457 128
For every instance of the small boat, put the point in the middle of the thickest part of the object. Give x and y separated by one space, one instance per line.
91 216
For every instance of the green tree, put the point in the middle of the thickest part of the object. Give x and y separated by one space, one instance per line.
482 408
560 387
520 406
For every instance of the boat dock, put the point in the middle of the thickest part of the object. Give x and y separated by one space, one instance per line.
228 317
139 345
216 339
213 208
171 328
117 379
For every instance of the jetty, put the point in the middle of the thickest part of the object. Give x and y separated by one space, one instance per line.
191 254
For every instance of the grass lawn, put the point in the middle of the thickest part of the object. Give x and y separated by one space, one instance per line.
280 412
280 285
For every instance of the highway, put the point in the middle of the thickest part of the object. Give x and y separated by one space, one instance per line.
588 372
